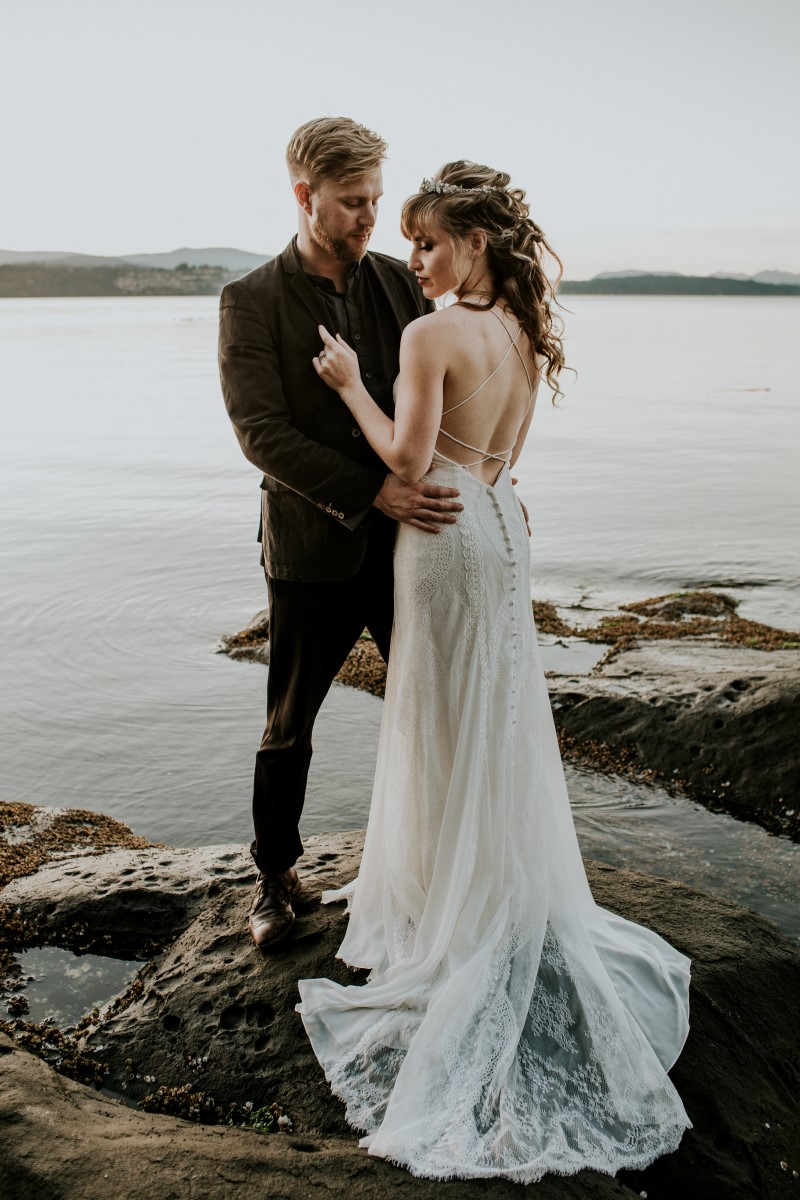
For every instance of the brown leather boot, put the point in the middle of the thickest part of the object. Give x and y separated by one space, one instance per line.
271 916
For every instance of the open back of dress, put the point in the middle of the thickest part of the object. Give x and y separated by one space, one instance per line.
485 455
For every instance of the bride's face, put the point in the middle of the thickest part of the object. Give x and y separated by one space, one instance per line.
433 262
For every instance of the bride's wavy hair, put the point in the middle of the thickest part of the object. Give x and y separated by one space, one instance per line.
517 249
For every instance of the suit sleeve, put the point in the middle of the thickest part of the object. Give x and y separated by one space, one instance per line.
251 386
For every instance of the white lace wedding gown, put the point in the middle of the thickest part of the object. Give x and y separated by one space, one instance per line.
510 1026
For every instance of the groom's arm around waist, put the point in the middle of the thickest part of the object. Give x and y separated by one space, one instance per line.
253 389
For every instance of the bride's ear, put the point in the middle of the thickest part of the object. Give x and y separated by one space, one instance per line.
477 242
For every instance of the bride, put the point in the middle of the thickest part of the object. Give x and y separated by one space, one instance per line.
509 1026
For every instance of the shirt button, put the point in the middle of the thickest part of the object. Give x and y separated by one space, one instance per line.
368 375
355 432
358 337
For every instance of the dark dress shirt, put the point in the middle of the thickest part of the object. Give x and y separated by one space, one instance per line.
363 316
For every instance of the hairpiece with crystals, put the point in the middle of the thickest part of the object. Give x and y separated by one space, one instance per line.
448 189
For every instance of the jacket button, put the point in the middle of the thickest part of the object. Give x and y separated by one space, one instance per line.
328 509
341 515
355 432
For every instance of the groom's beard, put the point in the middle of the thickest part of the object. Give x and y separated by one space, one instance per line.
339 248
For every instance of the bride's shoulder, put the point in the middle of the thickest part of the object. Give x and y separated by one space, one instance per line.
436 324
430 337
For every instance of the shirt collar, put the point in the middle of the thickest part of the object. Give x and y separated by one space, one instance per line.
322 281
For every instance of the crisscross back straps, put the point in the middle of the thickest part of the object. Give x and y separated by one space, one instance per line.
500 455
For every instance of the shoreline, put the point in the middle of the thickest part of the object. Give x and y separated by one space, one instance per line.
103 276
679 691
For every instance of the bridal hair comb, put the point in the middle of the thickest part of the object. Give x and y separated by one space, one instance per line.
449 189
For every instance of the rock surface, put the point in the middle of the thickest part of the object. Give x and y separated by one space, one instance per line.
63 1141
134 896
210 1010
32 834
721 720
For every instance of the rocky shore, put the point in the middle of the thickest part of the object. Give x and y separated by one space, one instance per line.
199 1068
685 693
207 1033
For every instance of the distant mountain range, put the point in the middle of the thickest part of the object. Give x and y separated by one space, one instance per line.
205 271
226 257
761 277
665 283
183 272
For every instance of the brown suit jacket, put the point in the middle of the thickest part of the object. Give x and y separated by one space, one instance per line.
320 476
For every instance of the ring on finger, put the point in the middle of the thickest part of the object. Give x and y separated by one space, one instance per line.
321 355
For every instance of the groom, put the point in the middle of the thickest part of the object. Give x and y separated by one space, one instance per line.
329 507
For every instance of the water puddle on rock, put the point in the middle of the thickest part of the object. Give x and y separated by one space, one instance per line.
63 986
643 828
570 656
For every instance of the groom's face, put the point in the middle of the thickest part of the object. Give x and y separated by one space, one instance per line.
343 215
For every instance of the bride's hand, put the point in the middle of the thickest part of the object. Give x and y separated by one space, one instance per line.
337 363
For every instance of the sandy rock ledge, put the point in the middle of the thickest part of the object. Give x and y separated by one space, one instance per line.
722 721
211 1011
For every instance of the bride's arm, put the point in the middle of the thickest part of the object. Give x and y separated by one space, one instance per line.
406 443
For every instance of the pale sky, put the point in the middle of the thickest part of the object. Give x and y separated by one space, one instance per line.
649 134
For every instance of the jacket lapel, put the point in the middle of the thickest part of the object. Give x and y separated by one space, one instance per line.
300 285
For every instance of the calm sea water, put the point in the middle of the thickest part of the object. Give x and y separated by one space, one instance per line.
672 461
128 517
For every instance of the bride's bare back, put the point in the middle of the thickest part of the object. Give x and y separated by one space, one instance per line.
490 388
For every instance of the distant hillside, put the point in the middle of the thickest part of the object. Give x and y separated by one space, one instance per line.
633 284
57 279
762 276
227 257
212 256
777 277
641 274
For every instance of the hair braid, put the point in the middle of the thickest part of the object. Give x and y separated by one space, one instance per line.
466 196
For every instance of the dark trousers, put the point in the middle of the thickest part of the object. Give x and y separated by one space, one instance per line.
312 629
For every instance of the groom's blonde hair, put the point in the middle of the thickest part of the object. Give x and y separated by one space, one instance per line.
333 148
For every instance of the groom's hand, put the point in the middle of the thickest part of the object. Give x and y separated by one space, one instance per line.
423 505
525 512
